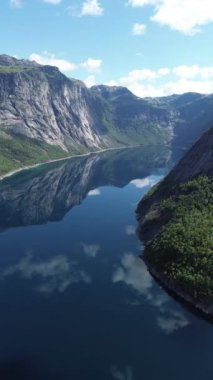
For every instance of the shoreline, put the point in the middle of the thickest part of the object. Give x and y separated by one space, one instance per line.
205 310
24 168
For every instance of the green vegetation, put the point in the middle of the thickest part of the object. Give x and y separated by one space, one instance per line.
18 151
12 69
183 249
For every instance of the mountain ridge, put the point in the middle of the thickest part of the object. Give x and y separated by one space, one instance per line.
44 115
176 224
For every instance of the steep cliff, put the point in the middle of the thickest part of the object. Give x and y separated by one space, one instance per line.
45 115
176 223
42 103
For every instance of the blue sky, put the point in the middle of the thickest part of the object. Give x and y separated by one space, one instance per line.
154 47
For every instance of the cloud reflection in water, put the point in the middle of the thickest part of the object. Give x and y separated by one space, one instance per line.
133 272
55 275
126 374
91 250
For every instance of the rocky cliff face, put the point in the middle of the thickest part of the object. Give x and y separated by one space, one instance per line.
43 105
197 162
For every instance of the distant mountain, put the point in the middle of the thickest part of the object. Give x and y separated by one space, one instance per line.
45 115
176 223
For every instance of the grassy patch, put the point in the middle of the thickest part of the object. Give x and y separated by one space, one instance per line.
12 69
19 151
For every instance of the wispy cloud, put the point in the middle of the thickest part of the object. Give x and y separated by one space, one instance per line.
91 81
172 322
19 3
130 230
133 273
53 275
148 181
138 29
90 65
16 3
50 59
91 8
87 8
122 374
167 81
55 2
94 192
91 250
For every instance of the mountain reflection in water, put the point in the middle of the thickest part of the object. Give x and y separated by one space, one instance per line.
48 192
77 302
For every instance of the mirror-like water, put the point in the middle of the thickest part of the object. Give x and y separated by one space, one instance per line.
76 301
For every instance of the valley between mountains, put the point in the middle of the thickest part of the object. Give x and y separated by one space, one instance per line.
46 116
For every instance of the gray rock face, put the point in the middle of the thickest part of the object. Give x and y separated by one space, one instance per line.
41 103
197 161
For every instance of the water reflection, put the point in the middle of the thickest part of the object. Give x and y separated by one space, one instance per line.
91 250
81 304
23 370
172 322
49 192
133 272
53 275
130 230
118 374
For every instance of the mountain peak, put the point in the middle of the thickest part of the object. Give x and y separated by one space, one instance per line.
6 60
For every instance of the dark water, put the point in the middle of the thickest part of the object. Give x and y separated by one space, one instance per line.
76 302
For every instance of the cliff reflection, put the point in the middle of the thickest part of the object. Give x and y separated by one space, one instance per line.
48 192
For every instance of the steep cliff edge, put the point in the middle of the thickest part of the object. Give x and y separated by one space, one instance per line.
176 224
45 115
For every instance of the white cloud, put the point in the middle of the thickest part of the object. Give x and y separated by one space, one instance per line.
112 83
55 274
172 323
141 3
148 181
89 82
50 59
91 250
94 192
138 29
166 81
185 16
16 3
91 8
133 273
53 1
92 65
19 3
187 72
163 71
125 374
130 230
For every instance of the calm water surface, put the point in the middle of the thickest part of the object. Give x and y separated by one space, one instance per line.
77 303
